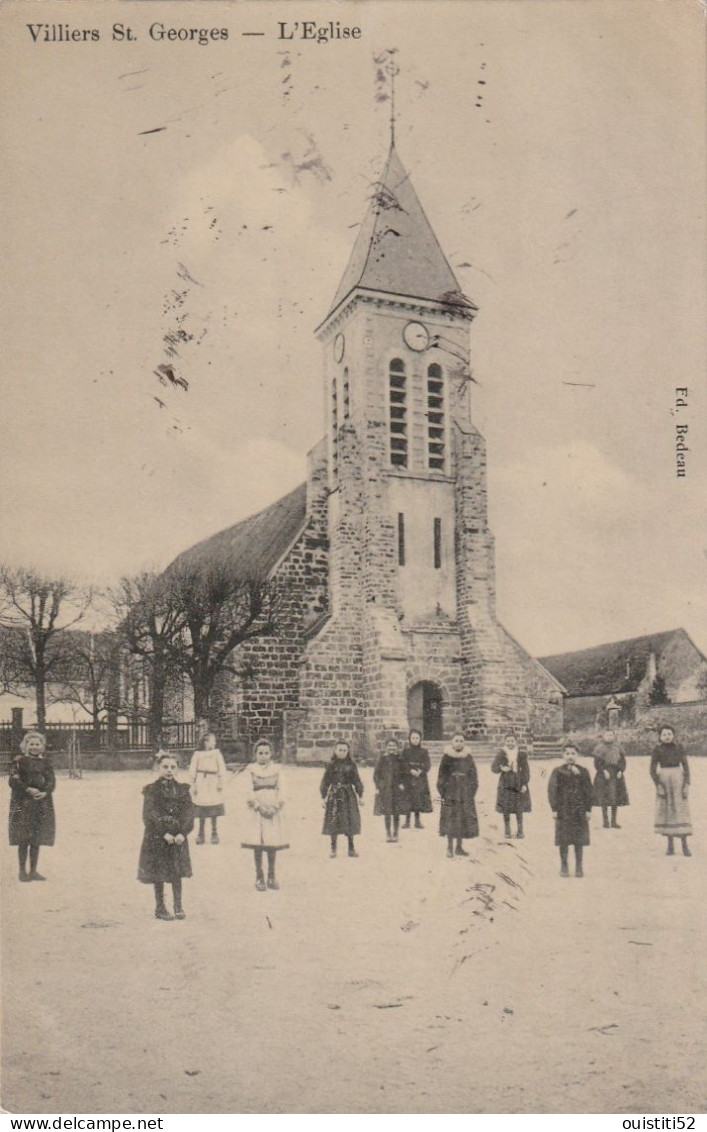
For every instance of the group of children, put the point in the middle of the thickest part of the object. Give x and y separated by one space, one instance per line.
170 808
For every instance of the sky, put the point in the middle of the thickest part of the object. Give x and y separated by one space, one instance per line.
154 188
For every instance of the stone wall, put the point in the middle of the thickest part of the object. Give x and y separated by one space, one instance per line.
543 697
331 696
682 666
254 704
435 656
492 686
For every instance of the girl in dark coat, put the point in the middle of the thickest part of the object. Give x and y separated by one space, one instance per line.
457 782
417 764
32 821
513 794
342 790
168 814
571 797
609 783
670 772
390 777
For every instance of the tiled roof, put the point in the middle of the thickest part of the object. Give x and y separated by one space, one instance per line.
607 669
396 250
253 546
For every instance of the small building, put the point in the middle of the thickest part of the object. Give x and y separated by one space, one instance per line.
611 685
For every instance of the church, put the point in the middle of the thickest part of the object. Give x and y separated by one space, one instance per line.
385 552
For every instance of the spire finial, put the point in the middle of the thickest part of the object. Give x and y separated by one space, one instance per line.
392 70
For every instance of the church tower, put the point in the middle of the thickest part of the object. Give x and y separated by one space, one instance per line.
411 637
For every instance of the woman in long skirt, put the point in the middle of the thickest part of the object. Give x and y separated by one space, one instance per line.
513 794
207 774
610 782
32 820
342 791
168 816
671 773
417 763
457 782
265 829
391 796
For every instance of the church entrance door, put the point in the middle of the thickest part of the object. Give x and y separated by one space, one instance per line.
425 709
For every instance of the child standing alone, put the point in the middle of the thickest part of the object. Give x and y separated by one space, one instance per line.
207 773
265 830
417 764
168 815
341 790
390 777
571 798
513 794
32 821
457 782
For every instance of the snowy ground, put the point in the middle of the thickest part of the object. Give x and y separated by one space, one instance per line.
399 982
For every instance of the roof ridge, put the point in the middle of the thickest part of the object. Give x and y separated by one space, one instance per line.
614 644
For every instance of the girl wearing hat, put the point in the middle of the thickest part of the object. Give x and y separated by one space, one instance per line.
457 782
341 790
32 820
513 794
168 816
417 763
265 829
571 798
670 772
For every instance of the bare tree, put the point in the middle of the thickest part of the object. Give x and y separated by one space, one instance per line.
150 623
221 611
89 674
38 610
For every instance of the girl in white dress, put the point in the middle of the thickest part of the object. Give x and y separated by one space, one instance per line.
265 828
207 774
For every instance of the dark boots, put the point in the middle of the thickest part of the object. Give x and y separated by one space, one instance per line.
161 912
33 859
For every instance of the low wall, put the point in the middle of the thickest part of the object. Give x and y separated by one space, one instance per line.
689 722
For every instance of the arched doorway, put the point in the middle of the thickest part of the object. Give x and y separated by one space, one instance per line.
425 709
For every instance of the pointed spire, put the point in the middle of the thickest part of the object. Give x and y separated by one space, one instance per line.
396 251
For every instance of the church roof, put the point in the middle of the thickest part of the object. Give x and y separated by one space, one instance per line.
252 547
396 251
605 670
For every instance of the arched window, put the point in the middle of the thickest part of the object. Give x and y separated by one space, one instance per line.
347 403
398 413
334 430
435 417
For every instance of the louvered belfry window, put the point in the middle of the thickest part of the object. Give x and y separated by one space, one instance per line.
334 430
347 397
435 418
398 414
